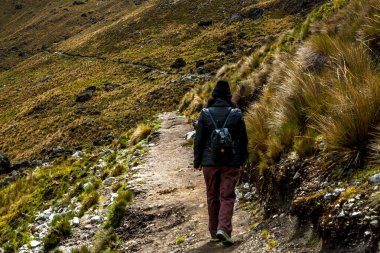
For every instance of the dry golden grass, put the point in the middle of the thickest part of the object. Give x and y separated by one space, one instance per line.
141 132
36 116
330 85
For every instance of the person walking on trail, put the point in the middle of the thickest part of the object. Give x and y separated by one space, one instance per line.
220 149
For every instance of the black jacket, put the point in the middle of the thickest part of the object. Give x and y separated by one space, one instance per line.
236 126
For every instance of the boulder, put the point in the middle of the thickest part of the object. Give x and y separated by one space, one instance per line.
375 179
79 2
108 86
205 23
254 13
35 243
234 17
86 95
178 63
5 165
199 63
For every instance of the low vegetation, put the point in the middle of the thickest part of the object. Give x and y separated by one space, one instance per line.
118 208
60 229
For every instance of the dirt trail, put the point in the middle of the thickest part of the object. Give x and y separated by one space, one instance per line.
171 199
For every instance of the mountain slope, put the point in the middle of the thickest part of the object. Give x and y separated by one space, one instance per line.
60 49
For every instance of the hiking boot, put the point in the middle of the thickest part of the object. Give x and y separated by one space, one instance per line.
224 237
214 240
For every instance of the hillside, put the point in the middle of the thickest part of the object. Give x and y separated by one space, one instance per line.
93 154
51 52
312 114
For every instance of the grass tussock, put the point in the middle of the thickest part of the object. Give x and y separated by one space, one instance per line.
60 229
118 208
89 200
105 240
141 132
82 249
320 94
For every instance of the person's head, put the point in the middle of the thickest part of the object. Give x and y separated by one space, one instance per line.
221 91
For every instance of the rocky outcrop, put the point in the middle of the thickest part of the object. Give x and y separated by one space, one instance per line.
86 95
178 63
5 165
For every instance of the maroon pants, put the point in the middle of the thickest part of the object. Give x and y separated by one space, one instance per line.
220 184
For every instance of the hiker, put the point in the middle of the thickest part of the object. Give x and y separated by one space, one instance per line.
220 149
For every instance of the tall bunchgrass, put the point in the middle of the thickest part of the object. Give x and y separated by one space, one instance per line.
328 90
141 132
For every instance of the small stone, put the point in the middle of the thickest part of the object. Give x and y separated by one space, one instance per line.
356 214
96 219
248 196
297 175
107 152
201 205
86 186
375 179
238 194
75 221
109 181
34 243
328 196
51 217
338 191
77 155
374 223
341 214
246 186
324 184
46 79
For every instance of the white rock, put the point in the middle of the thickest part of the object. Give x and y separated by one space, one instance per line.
77 155
51 217
34 243
248 196
338 191
341 214
96 219
356 214
374 223
86 186
246 186
328 196
75 221
375 179
109 181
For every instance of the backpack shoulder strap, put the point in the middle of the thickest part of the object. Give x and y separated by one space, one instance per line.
228 116
212 118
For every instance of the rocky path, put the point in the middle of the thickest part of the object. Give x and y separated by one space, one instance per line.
171 200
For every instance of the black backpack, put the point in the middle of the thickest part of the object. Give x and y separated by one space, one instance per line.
221 140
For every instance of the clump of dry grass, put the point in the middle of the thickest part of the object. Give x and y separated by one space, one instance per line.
141 132
327 90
